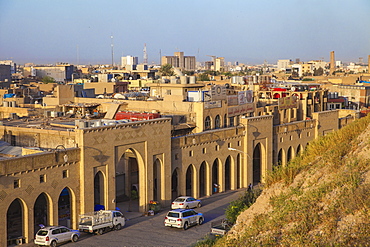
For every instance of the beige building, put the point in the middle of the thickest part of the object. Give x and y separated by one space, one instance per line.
192 147
179 61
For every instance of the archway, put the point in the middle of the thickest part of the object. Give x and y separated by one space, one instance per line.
98 189
228 173
217 122
175 184
257 164
127 180
279 158
215 177
157 180
14 222
40 212
64 208
189 180
203 179
238 171
299 150
289 154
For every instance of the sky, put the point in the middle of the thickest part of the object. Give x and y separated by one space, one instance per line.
247 31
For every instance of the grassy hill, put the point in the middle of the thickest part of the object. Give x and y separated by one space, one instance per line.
321 198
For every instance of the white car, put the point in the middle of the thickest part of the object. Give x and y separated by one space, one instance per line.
183 218
53 235
186 202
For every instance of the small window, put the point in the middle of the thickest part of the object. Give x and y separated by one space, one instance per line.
204 150
229 145
191 153
281 139
239 143
291 138
168 92
176 156
17 183
217 147
65 173
42 178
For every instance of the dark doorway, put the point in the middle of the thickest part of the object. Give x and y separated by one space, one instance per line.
238 171
40 212
189 181
99 189
257 164
215 178
289 155
174 184
202 180
64 208
228 173
14 222
157 180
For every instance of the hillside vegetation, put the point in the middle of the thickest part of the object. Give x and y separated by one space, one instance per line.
321 198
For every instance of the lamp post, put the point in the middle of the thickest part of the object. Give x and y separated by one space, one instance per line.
246 160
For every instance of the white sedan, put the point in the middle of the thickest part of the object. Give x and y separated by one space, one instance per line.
186 202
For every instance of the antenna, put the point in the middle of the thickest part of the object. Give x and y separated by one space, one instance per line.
78 55
160 57
111 37
145 55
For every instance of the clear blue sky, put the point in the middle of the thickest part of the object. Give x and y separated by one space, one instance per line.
248 31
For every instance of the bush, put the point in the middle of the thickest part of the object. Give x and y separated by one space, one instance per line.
242 203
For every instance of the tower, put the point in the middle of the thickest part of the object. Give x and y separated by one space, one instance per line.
332 63
145 55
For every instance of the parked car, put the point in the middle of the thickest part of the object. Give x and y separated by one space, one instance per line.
53 235
186 202
183 218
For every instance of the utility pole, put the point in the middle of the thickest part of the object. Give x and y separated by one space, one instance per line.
111 37
145 55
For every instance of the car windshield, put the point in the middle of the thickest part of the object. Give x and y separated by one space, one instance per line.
180 200
173 214
86 221
42 233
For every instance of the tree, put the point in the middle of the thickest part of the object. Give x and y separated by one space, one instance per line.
166 70
47 79
203 77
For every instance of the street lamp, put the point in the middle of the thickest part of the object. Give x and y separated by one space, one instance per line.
246 160
240 151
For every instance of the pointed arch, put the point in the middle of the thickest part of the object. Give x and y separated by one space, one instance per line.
66 207
290 154
189 179
16 219
203 179
175 183
228 173
257 164
157 180
41 211
99 189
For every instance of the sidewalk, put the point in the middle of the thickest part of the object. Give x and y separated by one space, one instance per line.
129 209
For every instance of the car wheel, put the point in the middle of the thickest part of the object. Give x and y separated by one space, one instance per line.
199 205
118 227
100 231
74 238
186 225
53 243
200 221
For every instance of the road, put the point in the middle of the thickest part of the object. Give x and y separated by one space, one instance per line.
150 231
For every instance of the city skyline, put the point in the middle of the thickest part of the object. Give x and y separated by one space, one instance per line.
244 31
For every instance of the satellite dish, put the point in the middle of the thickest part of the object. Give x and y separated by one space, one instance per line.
292 89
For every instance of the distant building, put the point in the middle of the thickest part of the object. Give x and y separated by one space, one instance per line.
129 61
60 72
284 64
180 61
5 73
13 66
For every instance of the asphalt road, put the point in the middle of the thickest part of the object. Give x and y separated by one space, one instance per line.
150 230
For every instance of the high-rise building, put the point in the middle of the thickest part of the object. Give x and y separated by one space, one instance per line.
178 60
129 60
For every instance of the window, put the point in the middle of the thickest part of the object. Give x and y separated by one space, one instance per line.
231 121
217 122
190 153
204 150
239 143
217 147
17 183
65 173
42 178
225 121
176 156
168 92
281 139
207 123
229 145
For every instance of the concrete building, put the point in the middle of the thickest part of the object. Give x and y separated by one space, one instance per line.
60 73
284 64
5 73
185 152
178 60
129 62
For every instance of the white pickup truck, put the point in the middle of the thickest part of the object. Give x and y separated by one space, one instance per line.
100 221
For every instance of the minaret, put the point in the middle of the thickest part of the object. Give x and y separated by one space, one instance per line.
368 64
332 63
145 55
